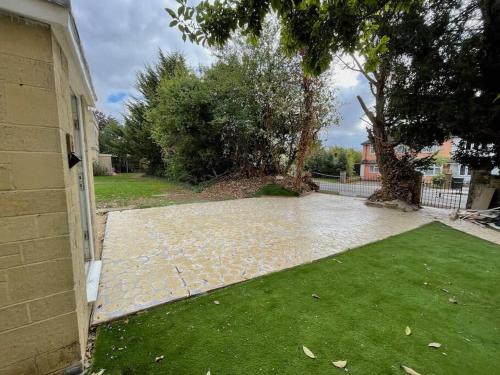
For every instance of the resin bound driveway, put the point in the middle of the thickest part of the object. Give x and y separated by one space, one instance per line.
155 255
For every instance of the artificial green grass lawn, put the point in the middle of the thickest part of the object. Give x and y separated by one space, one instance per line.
368 297
131 189
276 190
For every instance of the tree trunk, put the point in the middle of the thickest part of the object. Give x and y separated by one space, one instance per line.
399 180
307 130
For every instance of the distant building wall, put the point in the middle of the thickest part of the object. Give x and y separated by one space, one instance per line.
105 161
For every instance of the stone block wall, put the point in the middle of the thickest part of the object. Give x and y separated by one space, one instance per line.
43 309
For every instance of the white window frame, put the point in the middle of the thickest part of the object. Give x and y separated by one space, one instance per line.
374 169
467 172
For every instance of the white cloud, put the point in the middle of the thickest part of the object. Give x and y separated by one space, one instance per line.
344 78
121 36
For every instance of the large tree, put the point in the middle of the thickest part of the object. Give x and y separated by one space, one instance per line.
449 82
138 129
384 33
243 114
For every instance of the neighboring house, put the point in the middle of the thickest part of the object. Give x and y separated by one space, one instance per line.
48 267
369 168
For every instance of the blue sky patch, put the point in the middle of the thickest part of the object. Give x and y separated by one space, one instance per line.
117 97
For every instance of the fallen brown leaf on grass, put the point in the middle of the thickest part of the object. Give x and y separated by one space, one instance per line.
308 352
160 358
217 302
434 345
409 370
340 364
408 331
314 295
452 300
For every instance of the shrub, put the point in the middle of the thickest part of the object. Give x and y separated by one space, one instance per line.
100 170
276 190
439 180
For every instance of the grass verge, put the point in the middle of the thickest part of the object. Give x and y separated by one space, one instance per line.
276 190
138 190
367 298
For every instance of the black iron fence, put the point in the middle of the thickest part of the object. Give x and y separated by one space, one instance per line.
443 194
346 185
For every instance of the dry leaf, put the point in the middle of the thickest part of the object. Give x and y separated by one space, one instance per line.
340 364
314 295
217 302
434 345
158 359
98 373
408 331
308 352
409 370
452 300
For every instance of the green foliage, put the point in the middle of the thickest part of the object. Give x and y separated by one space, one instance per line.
333 160
276 190
243 114
99 170
112 139
138 127
186 130
433 66
439 180
448 81
368 296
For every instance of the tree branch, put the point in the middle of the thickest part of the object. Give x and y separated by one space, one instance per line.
367 112
362 71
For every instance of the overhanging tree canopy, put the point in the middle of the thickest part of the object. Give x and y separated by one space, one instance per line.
387 34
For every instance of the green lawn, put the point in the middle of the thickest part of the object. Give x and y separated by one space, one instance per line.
367 298
276 190
137 190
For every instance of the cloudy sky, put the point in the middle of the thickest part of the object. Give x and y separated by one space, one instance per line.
121 36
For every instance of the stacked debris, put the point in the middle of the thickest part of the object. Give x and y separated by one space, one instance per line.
484 218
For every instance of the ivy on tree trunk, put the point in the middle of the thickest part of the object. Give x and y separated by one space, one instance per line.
307 132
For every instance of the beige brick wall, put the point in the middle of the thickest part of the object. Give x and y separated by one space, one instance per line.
43 310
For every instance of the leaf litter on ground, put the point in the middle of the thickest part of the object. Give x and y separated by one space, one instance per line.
340 364
308 352
409 370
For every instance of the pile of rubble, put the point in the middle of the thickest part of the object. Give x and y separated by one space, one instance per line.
484 218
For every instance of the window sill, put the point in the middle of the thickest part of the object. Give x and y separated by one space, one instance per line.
93 276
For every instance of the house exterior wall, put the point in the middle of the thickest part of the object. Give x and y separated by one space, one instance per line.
43 308
444 151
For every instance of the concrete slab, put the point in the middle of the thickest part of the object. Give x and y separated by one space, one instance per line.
156 255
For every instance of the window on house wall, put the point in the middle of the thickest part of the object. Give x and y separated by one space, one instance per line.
433 170
374 169
464 170
372 149
434 148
